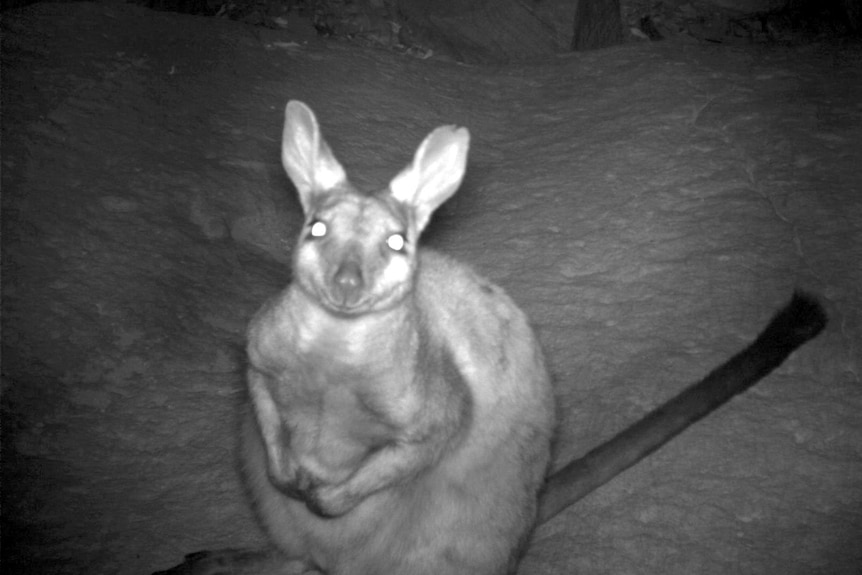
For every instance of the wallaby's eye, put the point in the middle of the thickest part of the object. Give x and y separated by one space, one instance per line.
395 242
318 229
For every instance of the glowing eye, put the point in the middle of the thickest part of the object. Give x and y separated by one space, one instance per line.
318 230
395 242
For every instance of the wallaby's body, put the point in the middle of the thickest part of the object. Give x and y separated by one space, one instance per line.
434 438
400 411
402 400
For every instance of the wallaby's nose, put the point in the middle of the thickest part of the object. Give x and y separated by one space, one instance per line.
348 283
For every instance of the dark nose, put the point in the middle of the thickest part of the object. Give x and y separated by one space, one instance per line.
348 282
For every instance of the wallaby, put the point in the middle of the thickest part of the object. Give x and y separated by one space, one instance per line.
401 414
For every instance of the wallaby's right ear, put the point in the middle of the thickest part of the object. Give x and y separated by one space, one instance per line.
306 158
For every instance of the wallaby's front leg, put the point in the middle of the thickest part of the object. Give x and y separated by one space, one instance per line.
389 466
434 428
332 459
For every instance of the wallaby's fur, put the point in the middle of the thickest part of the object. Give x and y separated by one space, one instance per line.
402 399
401 413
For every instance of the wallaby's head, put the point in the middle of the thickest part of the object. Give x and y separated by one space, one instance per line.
357 251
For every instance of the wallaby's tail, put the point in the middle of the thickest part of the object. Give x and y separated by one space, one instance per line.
799 321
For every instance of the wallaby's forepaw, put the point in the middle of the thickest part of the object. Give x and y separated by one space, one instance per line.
332 501
236 562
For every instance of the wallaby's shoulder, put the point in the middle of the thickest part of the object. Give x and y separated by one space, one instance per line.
491 342
485 330
456 287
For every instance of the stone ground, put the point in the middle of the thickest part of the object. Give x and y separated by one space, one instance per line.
650 206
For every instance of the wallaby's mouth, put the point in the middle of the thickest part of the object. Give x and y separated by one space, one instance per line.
348 309
340 303
348 302
365 302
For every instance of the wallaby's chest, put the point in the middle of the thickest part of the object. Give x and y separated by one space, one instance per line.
335 349
345 364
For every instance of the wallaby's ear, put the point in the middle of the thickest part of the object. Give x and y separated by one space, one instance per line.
306 158
436 172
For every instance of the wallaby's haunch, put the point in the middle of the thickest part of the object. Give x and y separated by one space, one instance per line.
400 411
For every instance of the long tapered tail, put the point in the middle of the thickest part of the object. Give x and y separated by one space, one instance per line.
799 321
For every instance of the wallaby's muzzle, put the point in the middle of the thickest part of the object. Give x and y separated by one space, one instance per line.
348 284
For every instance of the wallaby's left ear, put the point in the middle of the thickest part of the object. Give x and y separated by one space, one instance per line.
435 174
305 156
